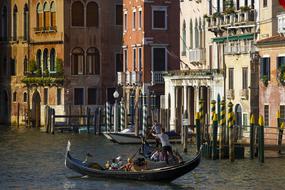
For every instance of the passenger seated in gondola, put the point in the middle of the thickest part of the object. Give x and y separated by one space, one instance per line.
139 164
114 165
128 166
157 156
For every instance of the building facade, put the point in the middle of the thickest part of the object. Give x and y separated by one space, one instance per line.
235 25
150 46
58 53
272 66
201 70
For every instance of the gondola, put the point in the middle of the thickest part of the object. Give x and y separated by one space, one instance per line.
166 174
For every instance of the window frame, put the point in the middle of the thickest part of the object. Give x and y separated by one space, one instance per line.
152 57
231 82
134 60
96 90
125 59
140 17
159 8
83 96
134 19
125 21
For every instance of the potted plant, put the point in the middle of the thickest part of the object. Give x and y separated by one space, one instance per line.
32 66
264 79
229 10
244 8
281 75
59 66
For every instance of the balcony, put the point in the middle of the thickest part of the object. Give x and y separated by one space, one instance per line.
244 94
230 94
48 29
121 77
136 77
128 78
197 55
157 77
237 49
225 19
43 79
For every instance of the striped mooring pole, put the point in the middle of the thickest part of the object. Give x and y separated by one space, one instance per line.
261 139
107 117
122 115
144 119
213 109
215 133
231 135
222 128
202 119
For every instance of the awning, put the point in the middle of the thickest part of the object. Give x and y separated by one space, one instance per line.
234 38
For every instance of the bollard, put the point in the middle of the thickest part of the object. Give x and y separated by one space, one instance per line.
252 136
215 133
230 127
261 140
222 132
198 131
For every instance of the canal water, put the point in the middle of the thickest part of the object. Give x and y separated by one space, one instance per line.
30 159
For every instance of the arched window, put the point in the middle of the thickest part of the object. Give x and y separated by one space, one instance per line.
93 61
191 34
184 38
25 65
13 67
15 20
52 59
53 16
25 97
46 16
39 17
45 59
77 14
4 23
26 22
92 14
39 58
200 33
77 67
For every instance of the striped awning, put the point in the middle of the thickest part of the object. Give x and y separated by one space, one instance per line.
234 38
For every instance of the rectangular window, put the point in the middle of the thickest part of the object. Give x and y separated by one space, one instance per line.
78 96
244 78
159 20
266 115
159 59
140 19
125 59
92 95
264 3
231 78
58 96
282 112
45 96
134 58
119 62
134 20
125 21
119 14
140 58
265 68
13 67
245 119
281 63
237 1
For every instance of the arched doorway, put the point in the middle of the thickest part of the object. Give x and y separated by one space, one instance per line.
238 119
36 109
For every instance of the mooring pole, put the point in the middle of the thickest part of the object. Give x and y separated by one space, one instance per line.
215 133
252 140
230 126
261 139
198 131
222 129
202 118
186 123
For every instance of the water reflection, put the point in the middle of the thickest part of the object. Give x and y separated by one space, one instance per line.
34 160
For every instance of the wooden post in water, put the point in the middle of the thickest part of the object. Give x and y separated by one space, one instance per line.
198 131
52 120
95 120
222 129
215 133
88 119
202 118
280 132
252 139
230 126
123 126
100 116
18 114
261 139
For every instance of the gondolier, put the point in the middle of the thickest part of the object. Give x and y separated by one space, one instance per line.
156 128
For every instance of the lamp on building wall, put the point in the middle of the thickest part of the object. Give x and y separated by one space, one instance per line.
116 118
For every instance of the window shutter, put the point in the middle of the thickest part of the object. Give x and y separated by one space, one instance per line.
268 68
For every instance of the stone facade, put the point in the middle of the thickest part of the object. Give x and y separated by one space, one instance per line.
71 44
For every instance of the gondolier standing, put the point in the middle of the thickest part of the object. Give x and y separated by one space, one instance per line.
156 128
166 146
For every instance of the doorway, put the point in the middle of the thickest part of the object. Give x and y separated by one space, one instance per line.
36 110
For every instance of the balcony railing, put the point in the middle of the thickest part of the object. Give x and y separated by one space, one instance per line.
136 77
237 18
230 94
197 55
121 78
238 49
244 94
45 29
157 77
